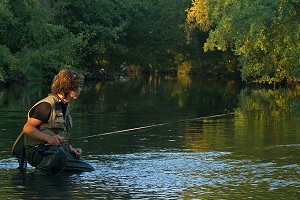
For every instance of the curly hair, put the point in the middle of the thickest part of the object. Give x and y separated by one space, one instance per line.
66 81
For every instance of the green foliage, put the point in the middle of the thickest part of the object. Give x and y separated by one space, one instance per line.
101 23
137 33
8 64
264 34
38 38
155 36
50 57
34 46
184 67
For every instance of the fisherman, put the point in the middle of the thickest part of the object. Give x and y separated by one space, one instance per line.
46 133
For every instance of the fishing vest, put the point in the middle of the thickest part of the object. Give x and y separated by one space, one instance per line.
58 124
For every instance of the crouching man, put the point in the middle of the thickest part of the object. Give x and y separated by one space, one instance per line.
46 132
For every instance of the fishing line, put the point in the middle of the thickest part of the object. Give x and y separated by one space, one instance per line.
153 125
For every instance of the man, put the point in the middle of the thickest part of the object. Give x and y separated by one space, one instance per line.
46 132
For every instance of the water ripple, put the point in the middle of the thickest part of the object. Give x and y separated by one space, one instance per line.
161 175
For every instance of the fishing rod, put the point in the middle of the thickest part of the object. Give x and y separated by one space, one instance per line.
154 125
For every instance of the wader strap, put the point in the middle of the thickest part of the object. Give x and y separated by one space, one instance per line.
18 150
22 164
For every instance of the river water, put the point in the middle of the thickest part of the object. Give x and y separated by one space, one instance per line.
161 138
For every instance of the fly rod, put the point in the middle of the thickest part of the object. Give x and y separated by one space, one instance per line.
154 125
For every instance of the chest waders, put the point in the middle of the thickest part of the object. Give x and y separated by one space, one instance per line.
46 158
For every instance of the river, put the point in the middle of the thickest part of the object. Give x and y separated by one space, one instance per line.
165 138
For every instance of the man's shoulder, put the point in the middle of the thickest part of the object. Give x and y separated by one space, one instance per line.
52 99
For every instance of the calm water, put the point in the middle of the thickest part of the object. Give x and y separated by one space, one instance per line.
184 154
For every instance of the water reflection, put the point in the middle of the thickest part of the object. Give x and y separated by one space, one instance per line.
35 186
253 153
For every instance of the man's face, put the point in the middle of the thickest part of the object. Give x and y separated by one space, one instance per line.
75 94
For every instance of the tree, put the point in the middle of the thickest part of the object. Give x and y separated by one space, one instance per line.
264 34
101 23
155 37
8 62
31 45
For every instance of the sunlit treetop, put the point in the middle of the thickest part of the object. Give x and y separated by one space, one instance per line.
264 34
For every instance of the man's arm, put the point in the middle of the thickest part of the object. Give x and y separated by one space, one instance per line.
31 130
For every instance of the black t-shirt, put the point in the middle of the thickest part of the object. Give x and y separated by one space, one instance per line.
43 110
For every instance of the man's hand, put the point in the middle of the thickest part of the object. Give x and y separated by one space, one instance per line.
55 140
75 151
